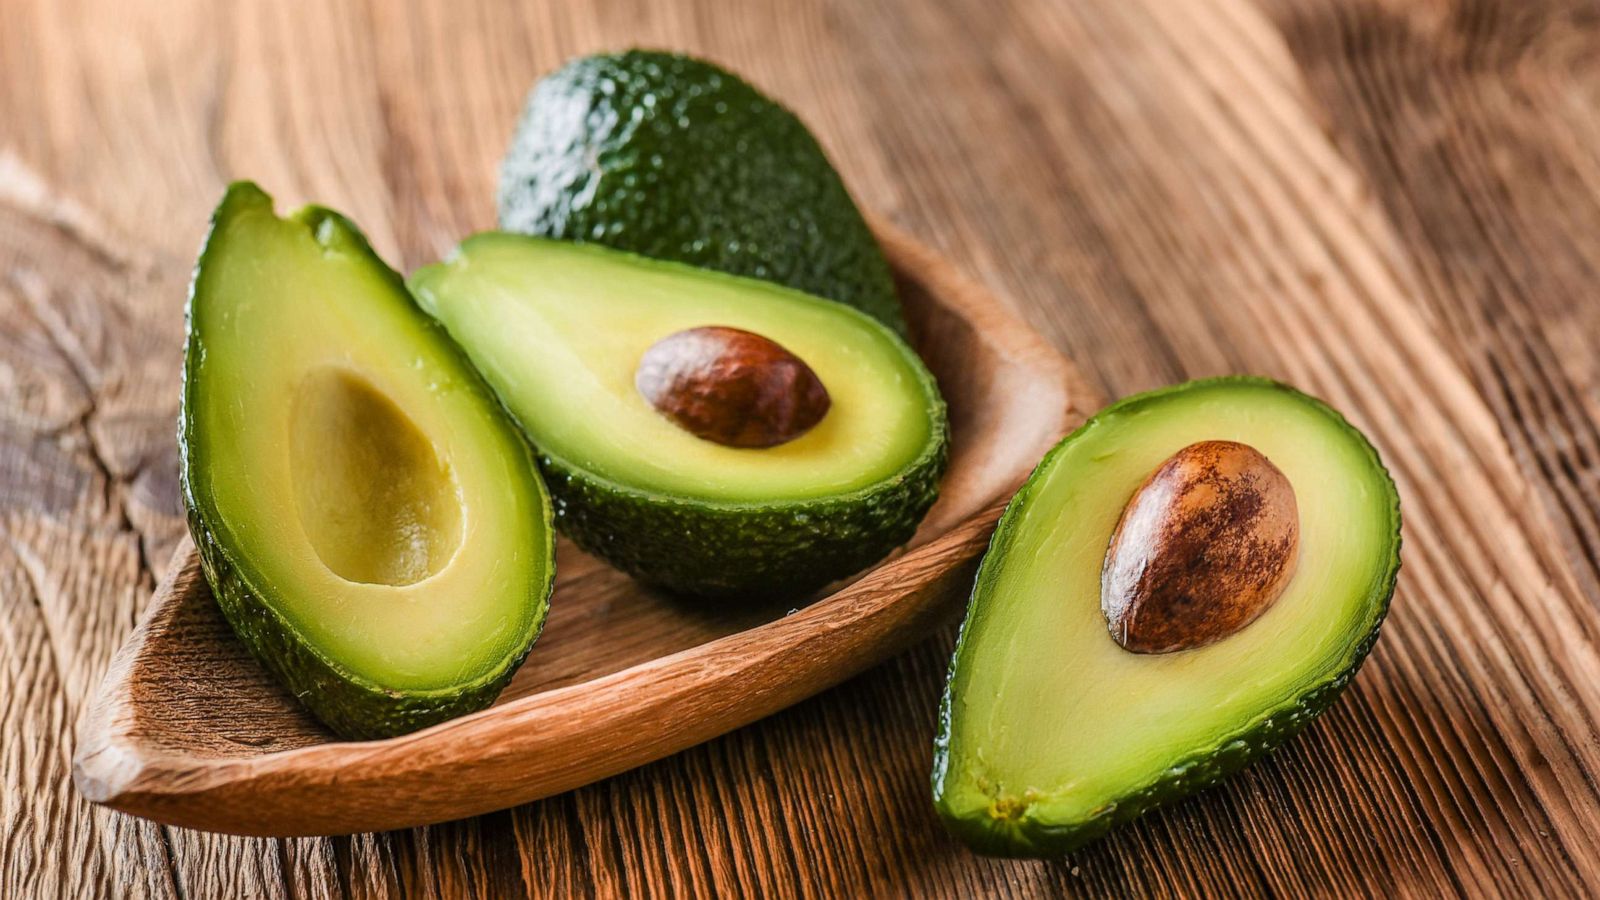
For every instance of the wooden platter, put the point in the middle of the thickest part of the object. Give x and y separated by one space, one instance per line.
186 728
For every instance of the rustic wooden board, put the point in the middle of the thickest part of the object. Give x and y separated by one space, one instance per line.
1393 203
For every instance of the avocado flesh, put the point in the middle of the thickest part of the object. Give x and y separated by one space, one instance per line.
677 159
1051 732
558 329
371 522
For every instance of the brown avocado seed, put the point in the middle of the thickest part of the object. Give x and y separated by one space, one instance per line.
731 387
1203 548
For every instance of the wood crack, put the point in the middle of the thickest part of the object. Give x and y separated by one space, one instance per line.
33 570
173 873
69 348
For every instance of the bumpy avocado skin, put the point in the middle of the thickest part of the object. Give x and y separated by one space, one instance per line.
350 705
999 833
674 158
766 550
1026 837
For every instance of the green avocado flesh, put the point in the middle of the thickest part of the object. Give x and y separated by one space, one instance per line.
370 521
1050 732
677 159
558 330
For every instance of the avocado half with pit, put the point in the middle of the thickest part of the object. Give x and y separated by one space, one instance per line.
372 524
1183 583
674 411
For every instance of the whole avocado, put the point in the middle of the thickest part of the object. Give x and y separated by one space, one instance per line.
675 158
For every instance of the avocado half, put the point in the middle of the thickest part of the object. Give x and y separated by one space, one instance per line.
371 523
558 330
1050 732
678 159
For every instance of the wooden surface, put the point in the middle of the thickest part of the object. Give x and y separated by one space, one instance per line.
1393 203
187 729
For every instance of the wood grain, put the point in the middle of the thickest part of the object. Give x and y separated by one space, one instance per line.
187 729
1392 203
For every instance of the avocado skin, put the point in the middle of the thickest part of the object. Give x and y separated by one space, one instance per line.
675 158
776 550
1022 836
350 705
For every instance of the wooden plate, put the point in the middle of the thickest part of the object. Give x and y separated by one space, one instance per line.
188 730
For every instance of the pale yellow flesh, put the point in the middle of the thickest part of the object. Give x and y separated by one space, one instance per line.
373 497
1050 715
387 515
559 331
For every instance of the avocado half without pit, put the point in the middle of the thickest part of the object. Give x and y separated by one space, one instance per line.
371 523
1183 583
709 434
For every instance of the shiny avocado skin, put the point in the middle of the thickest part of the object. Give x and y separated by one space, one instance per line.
1022 837
351 705
677 159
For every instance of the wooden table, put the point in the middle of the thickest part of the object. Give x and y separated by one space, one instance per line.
1392 203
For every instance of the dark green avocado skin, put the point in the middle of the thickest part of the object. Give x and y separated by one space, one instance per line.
996 836
1020 839
775 550
674 158
350 705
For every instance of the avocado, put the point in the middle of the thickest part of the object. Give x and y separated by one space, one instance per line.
677 159
570 335
371 523
1061 716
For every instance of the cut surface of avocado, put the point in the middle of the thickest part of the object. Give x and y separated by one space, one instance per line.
1050 731
560 329
370 520
678 159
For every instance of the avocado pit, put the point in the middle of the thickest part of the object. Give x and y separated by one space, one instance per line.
732 387
1205 546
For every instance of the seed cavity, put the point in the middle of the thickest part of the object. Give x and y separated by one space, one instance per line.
376 502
